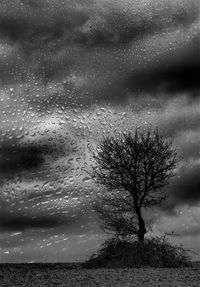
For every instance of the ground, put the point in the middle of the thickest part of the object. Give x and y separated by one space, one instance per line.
63 275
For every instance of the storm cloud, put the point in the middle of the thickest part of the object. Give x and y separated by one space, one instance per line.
14 159
72 71
185 189
20 223
53 38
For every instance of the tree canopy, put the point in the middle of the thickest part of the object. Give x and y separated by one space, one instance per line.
134 168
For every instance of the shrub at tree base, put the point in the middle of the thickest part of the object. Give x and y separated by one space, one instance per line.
156 252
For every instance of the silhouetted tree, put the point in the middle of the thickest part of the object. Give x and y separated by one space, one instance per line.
134 169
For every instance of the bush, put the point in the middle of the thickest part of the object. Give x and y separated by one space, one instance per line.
155 252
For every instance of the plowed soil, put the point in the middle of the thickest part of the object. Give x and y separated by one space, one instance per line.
66 275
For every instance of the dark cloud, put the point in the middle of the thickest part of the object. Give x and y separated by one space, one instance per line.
21 223
185 188
176 76
122 26
182 78
18 158
37 28
75 221
56 27
109 25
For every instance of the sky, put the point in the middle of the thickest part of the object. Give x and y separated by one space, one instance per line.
71 72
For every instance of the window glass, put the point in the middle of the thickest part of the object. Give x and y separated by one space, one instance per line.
72 72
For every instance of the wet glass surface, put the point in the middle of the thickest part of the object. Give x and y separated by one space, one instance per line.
70 73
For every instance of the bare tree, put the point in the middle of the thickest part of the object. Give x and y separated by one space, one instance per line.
115 213
134 169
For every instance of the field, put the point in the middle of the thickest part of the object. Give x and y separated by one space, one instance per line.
69 275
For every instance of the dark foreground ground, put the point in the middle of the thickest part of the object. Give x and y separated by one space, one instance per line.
69 275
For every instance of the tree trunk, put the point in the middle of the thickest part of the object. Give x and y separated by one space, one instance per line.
142 229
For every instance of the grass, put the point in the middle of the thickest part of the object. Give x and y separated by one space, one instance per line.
155 252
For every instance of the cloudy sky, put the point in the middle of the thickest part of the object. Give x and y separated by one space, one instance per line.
70 72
